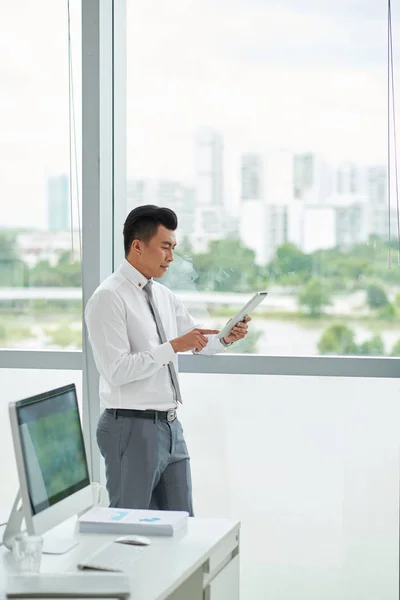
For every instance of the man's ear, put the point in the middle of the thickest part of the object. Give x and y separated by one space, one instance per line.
136 247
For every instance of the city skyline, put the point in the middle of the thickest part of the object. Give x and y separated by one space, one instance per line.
232 202
284 198
309 79
277 178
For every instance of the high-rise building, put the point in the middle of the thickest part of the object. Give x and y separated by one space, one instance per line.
351 215
58 204
212 223
251 179
213 220
342 220
266 197
378 203
165 192
349 179
253 219
209 157
312 178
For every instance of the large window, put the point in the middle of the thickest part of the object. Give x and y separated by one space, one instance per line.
263 125
310 466
40 147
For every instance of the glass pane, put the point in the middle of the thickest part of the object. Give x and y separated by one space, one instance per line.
40 147
310 466
264 126
17 384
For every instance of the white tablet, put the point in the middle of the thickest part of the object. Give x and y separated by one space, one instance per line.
245 310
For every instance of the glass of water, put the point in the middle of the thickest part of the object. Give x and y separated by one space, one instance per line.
27 552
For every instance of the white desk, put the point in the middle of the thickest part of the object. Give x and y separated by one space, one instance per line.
201 565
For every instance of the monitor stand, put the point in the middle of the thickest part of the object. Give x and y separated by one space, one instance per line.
51 544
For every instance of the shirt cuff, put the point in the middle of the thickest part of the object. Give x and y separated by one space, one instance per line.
164 354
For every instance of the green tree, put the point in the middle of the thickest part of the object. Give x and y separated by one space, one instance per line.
341 267
315 296
372 347
70 272
44 275
346 267
396 349
7 245
64 274
12 269
227 266
376 296
397 300
353 267
290 260
338 339
388 312
181 274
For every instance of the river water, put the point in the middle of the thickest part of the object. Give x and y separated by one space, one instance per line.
291 338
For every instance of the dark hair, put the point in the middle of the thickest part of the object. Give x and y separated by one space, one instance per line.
142 223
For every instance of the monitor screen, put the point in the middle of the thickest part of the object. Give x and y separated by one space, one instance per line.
52 447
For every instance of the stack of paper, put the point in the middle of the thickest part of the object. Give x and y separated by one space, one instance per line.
124 520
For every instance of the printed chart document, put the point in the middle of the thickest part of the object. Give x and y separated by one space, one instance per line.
125 520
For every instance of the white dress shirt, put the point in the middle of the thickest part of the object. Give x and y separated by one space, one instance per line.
129 355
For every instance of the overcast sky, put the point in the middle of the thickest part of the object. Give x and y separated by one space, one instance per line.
298 74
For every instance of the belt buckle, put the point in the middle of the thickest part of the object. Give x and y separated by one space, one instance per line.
171 414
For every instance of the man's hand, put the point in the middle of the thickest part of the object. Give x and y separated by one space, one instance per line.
194 340
238 332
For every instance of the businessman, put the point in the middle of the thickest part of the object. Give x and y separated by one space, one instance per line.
136 328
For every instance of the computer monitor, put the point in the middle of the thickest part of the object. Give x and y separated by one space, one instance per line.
51 460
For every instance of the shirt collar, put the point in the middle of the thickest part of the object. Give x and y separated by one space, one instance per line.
133 275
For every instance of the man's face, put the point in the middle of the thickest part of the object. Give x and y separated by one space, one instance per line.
157 254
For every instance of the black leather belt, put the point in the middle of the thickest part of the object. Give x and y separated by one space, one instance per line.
156 415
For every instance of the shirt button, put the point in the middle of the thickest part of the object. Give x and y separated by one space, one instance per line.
140 285
164 365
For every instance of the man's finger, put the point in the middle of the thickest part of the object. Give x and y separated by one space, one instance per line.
208 331
200 336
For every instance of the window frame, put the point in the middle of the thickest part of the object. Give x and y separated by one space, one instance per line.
230 364
103 183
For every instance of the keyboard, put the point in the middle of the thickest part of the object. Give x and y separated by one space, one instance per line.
113 557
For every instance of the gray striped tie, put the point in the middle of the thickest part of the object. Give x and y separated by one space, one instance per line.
161 332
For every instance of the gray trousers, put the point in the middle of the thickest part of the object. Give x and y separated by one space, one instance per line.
147 463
